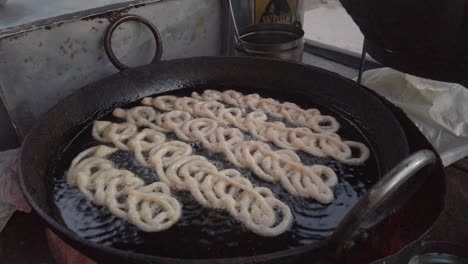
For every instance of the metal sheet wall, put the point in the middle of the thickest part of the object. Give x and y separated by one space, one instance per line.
41 66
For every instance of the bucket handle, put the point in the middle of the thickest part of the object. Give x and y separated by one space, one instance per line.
297 21
237 38
110 30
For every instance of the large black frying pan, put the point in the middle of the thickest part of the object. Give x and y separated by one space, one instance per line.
307 86
281 80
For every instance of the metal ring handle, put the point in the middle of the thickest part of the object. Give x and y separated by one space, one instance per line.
375 199
110 30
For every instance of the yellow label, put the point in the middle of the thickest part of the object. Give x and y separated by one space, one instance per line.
275 11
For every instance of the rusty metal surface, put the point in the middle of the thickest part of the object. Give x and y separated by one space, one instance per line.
17 17
41 66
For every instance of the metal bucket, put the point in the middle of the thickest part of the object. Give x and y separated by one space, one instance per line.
281 41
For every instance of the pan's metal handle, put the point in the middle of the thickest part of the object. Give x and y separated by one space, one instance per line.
382 198
111 28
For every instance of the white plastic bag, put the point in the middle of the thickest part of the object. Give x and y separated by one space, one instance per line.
439 109
11 198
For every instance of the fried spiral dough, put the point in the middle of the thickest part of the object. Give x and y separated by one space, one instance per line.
316 144
227 189
281 166
151 208
310 118
175 165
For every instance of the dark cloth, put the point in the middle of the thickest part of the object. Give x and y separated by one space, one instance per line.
427 38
